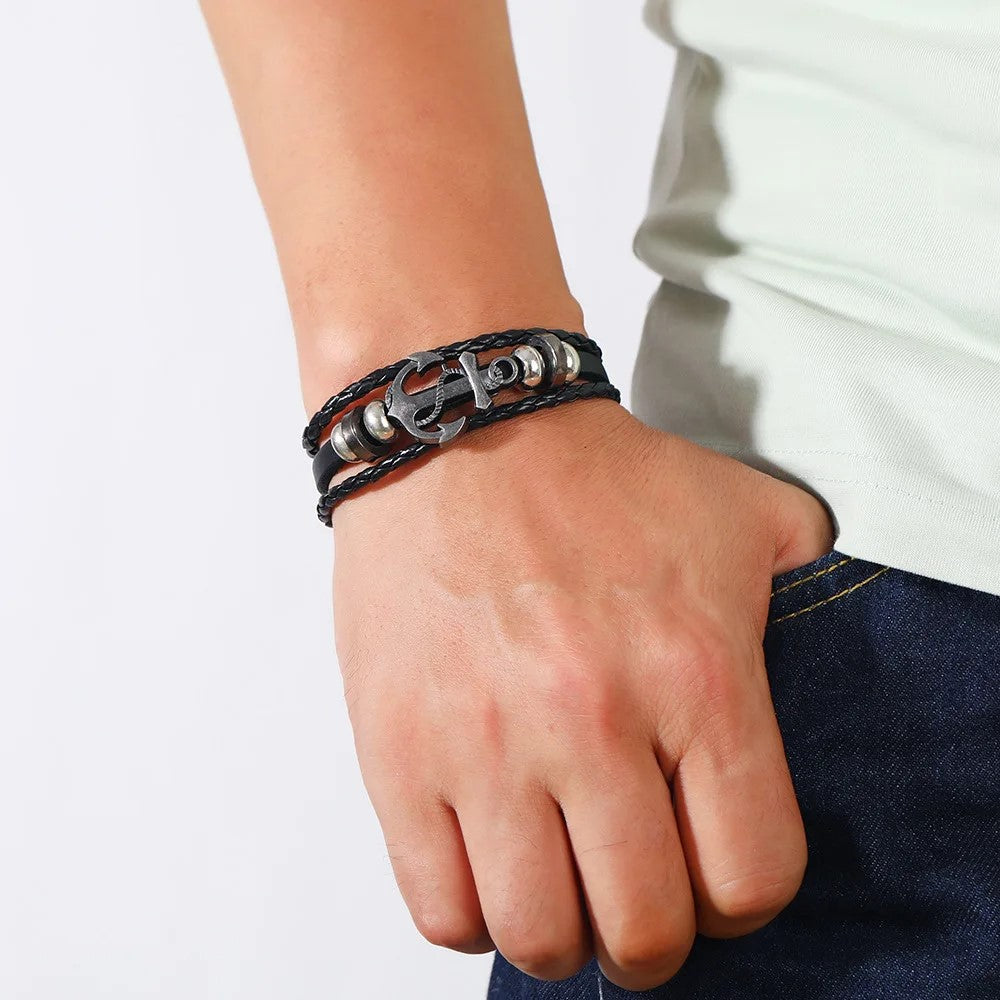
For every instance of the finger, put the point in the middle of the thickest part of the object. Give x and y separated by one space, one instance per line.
736 810
527 884
432 871
628 852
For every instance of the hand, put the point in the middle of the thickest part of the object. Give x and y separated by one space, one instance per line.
544 631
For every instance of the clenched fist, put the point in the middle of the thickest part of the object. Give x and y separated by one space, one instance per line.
551 641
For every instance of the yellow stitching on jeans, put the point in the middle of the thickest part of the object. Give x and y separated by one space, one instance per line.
805 579
826 600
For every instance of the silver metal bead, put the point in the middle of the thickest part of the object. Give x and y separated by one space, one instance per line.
357 439
340 445
556 363
377 423
572 361
533 363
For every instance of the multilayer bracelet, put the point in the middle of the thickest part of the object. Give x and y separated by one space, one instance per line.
554 366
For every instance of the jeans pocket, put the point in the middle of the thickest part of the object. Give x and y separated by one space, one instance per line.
818 583
792 577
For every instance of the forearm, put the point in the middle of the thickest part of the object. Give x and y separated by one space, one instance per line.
391 150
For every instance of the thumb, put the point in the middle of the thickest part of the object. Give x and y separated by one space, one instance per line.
807 528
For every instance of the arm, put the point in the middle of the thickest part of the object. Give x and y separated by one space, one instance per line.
558 697
392 153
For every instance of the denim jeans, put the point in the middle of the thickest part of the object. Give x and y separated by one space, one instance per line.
886 686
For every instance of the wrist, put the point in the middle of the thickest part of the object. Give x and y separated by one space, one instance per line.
538 460
334 354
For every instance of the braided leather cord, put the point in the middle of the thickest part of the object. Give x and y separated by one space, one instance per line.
383 376
481 418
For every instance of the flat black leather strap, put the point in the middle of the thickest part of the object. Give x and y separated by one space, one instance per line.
327 463
383 376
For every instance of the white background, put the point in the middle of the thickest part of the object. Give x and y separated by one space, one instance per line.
181 814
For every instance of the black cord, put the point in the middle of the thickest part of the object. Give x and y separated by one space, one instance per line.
481 418
383 376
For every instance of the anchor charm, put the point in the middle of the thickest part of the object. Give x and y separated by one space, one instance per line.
416 412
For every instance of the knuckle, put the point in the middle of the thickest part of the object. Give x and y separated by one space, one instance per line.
545 957
535 939
706 659
448 928
586 699
708 686
651 950
483 721
758 897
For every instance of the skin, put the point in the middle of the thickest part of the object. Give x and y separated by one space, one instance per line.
550 633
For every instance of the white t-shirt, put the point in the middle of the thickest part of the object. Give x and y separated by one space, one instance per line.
825 213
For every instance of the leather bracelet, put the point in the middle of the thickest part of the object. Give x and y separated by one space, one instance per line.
365 433
551 367
383 376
